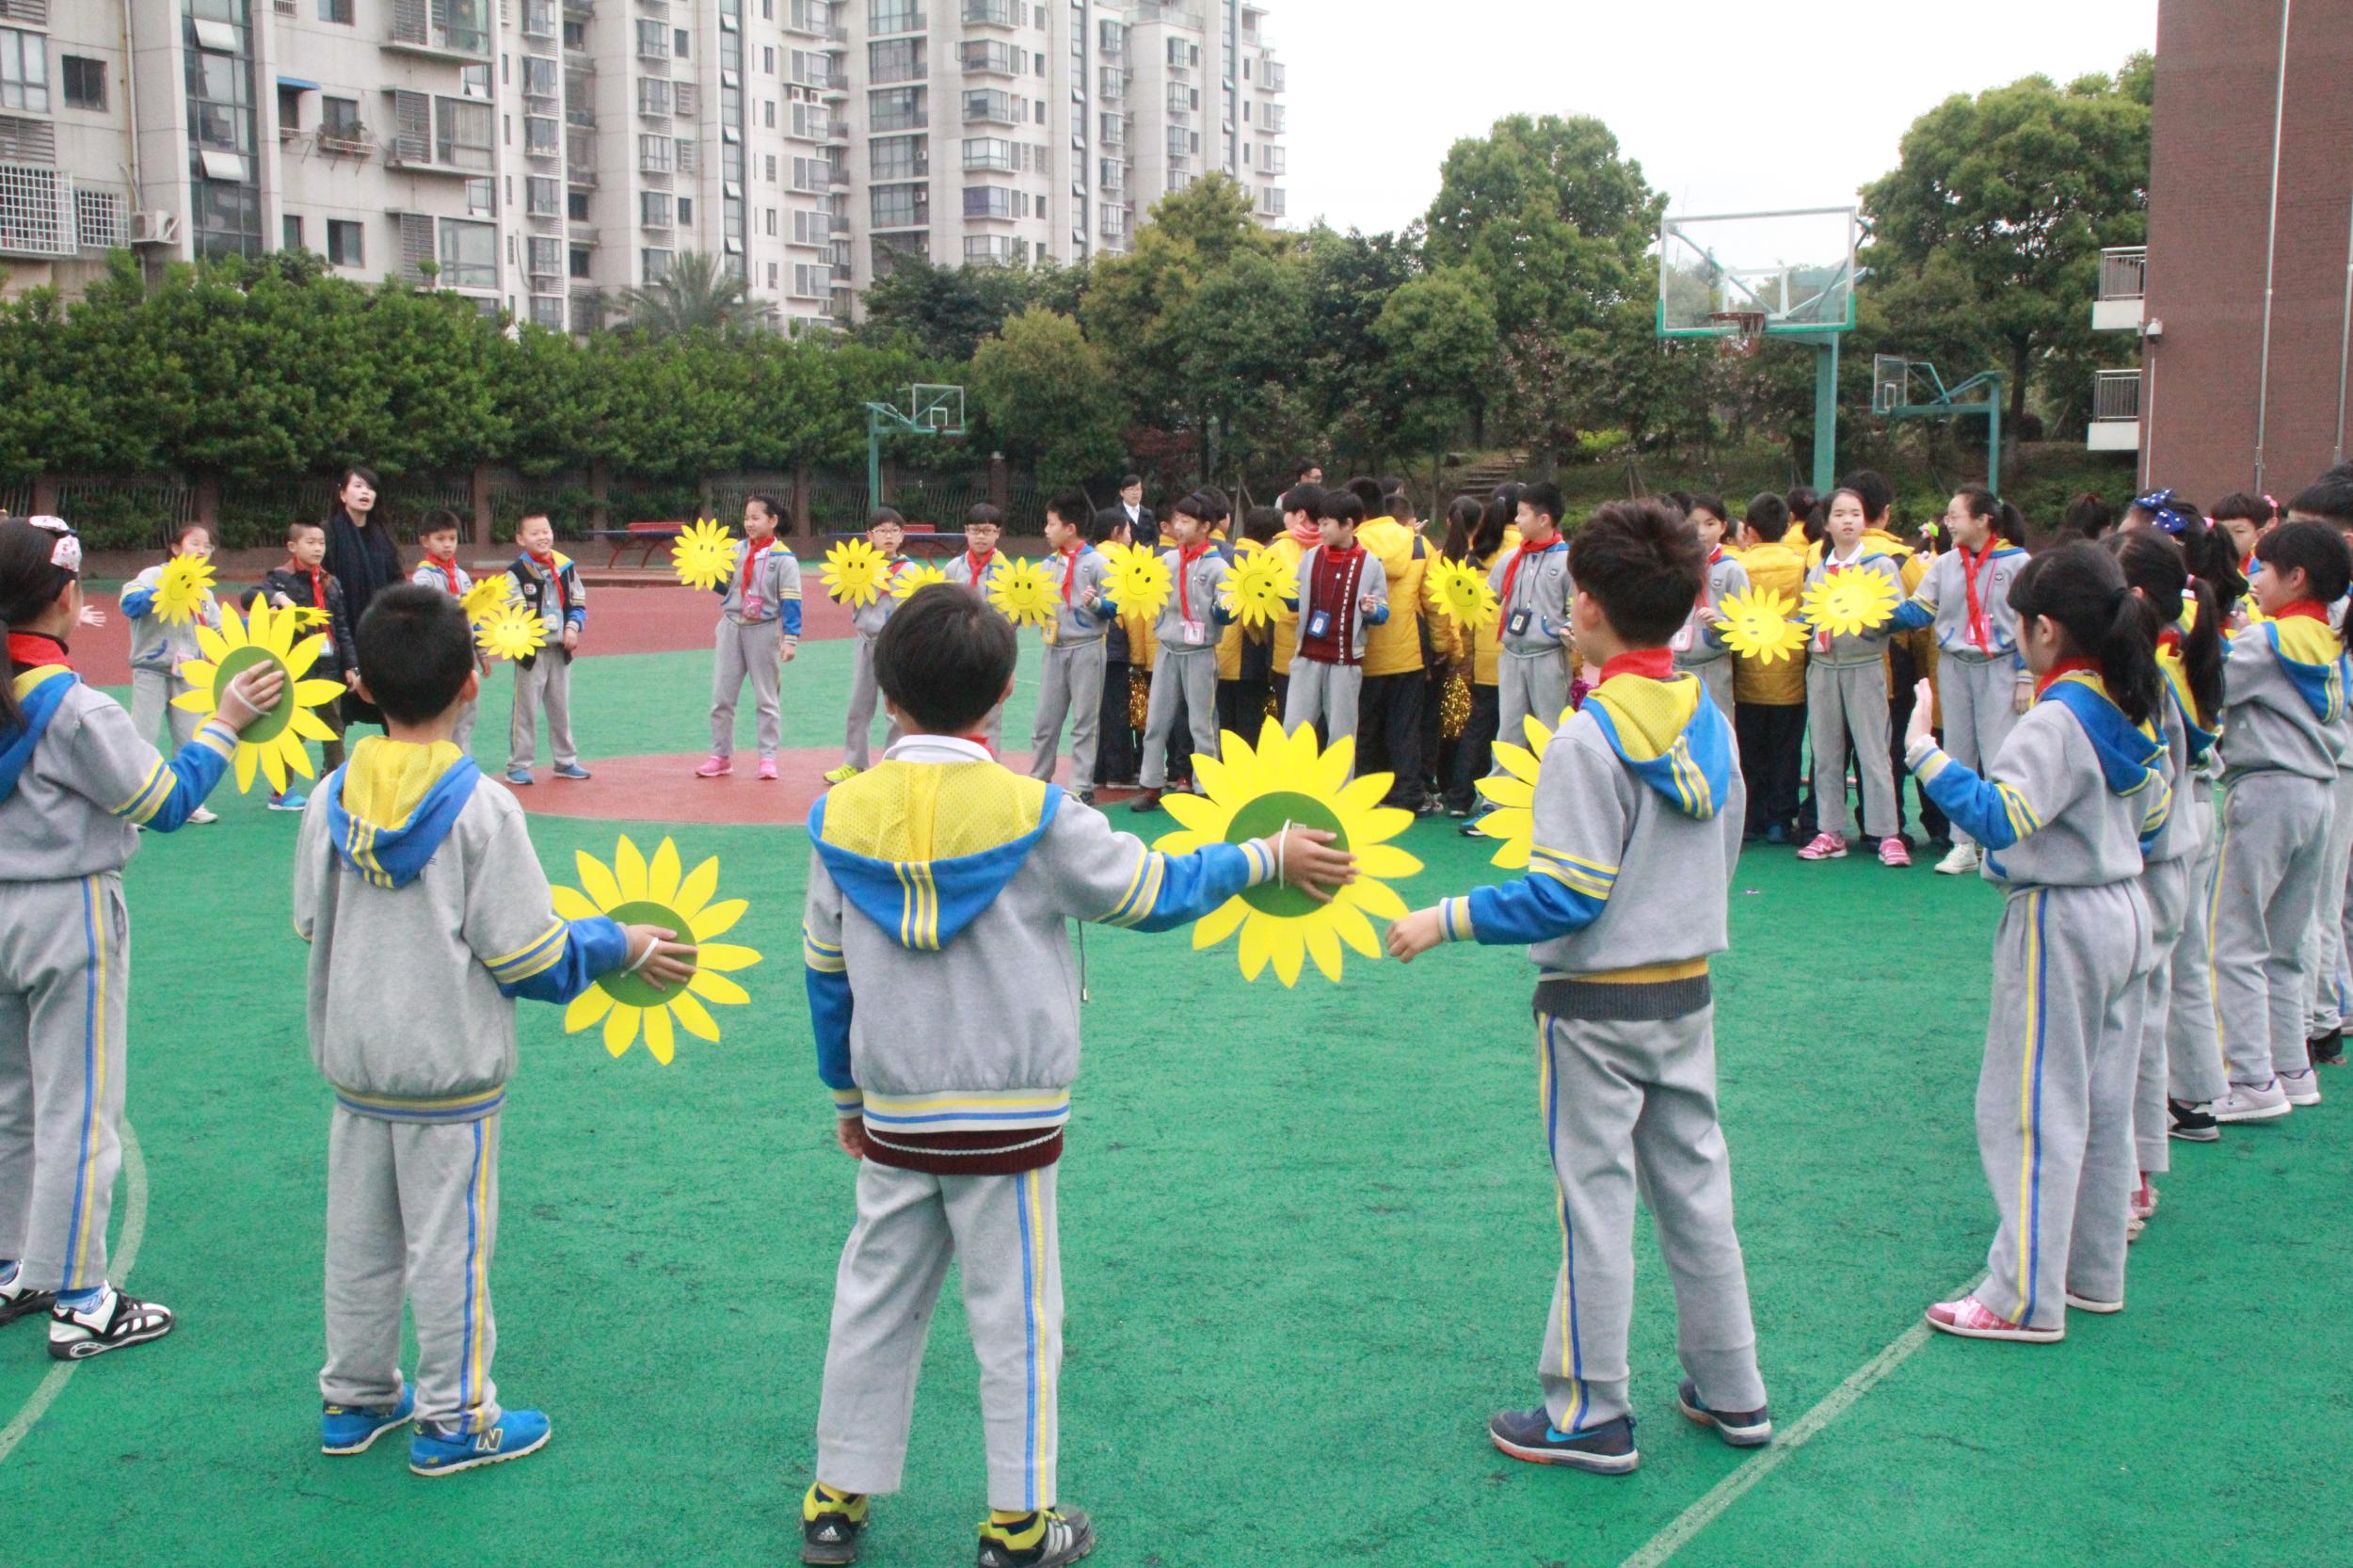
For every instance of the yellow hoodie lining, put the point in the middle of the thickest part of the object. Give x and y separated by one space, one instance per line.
1648 714
385 780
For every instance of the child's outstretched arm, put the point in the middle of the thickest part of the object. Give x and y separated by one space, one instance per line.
1111 878
1920 609
131 780
826 975
513 931
2025 786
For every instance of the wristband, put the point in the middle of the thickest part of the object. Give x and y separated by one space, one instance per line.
645 958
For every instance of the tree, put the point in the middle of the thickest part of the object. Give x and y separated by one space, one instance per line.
1046 398
1438 336
1240 333
2015 192
945 311
697 293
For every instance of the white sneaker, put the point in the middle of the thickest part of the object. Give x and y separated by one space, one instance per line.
200 816
2260 1104
1959 860
2301 1088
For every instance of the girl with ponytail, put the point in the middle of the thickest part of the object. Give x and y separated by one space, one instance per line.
2061 813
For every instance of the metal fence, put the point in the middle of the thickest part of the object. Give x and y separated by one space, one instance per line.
2124 272
2116 395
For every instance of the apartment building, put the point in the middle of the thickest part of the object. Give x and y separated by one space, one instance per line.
538 156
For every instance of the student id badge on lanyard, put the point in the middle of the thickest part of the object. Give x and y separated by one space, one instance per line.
1053 630
1517 625
1318 623
1195 633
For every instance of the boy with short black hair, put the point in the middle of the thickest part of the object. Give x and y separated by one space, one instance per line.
1638 815
1073 682
758 635
428 915
886 530
1535 586
1342 590
438 568
939 976
1184 676
303 583
548 583
977 569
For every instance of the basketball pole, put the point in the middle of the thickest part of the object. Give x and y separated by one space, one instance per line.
1825 412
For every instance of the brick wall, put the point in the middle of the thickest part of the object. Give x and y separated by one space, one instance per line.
2210 193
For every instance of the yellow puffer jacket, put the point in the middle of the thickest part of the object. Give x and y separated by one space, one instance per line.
1393 646
1290 552
1780 568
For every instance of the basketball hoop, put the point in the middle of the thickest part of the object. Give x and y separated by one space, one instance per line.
1747 328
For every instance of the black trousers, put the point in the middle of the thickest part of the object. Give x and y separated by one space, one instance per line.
1772 751
1388 732
1116 750
1903 674
1473 754
1242 706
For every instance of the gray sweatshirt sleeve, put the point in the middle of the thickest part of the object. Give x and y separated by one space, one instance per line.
1100 874
511 926
312 866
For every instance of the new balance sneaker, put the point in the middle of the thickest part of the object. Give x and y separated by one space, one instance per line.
2086 1304
1895 852
1971 1319
768 770
19 1299
2191 1124
1826 846
110 1322
352 1429
571 770
2301 1088
1607 1449
1960 861
1748 1429
519 777
843 773
716 767
200 816
1046 1539
2263 1103
437 1451
831 1522
288 802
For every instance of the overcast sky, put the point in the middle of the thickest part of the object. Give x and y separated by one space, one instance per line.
1378 89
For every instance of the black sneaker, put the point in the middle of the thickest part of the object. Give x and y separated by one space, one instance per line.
1148 801
1471 829
1748 1429
1086 797
2192 1124
17 1302
114 1321
830 1528
1607 1449
1046 1539
2329 1051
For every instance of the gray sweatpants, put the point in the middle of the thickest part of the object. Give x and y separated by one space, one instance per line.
1073 686
2193 1035
2323 939
151 692
747 648
1978 699
2267 883
2166 885
413 1211
1319 691
1190 674
547 683
1528 686
1843 700
65 987
2054 1097
1630 1109
1000 1229
865 697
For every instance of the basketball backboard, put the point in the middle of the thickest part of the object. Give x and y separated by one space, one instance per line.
937 409
1891 382
1718 273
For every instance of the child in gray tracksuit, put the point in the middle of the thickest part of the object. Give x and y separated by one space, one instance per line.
1534 588
76 778
2285 684
886 531
2062 814
1846 697
1639 812
1072 684
1342 589
1699 646
547 582
976 568
1186 671
438 568
758 635
945 1003
159 647
428 915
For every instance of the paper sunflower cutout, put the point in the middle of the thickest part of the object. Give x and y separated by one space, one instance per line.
273 746
915 576
510 631
1463 592
703 554
486 597
635 891
1512 823
1252 791
1140 583
1848 603
1758 625
1025 593
854 572
1259 589
179 589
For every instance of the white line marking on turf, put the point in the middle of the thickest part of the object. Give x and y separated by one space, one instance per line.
1692 1520
119 1269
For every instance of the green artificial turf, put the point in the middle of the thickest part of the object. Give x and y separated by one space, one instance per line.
1307 1242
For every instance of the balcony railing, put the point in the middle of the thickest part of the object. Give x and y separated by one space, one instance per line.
2115 395
2124 272
990 14
438 28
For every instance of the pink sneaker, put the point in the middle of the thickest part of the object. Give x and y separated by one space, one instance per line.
1971 1319
1826 846
2144 1199
717 767
1892 852
768 768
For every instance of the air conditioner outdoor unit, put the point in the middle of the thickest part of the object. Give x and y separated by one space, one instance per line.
154 228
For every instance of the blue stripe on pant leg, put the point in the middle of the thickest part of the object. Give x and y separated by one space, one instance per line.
1572 1348
1029 1324
93 983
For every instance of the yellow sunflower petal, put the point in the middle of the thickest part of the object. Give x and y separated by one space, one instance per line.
629 869
724 955
247 758
620 1027
695 889
273 766
1509 792
1256 947
1289 950
1212 775
659 1038
718 988
198 673
1376 898
587 1007
694 1016
1323 946
1204 817
662 873
717 919
300 659
196 701
1330 769
1350 925
1220 922
310 694
1387 821
215 646
309 726
298 756
1362 794
596 881
1385 862
570 906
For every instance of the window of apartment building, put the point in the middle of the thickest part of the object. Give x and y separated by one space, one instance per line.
24 70
547 257
680 43
995 201
540 78
84 82
654 154
290 233
989 105
771 276
220 100
893 16
991 152
685 211
768 114
473 81
335 11
547 310
898 59
575 34
541 133
462 135
896 109
767 59
811 227
576 206
344 247
482 199
289 107
899 157
470 255
654 263
654 97
653 209
902 206
772 169
580 260
991 54
543 196
653 39
339 118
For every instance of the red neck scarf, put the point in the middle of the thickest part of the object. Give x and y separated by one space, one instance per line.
2311 609
448 569
1186 556
2063 668
978 564
318 580
753 551
1070 568
31 650
1304 535
1651 664
1973 570
547 569
1707 579
1512 568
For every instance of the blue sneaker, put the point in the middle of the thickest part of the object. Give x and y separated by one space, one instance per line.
350 1429
1607 1449
571 770
519 775
288 802
434 1453
1747 1429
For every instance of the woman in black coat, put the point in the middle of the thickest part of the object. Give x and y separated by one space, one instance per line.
363 559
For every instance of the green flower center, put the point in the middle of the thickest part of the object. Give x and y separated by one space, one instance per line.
1264 817
272 723
634 989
